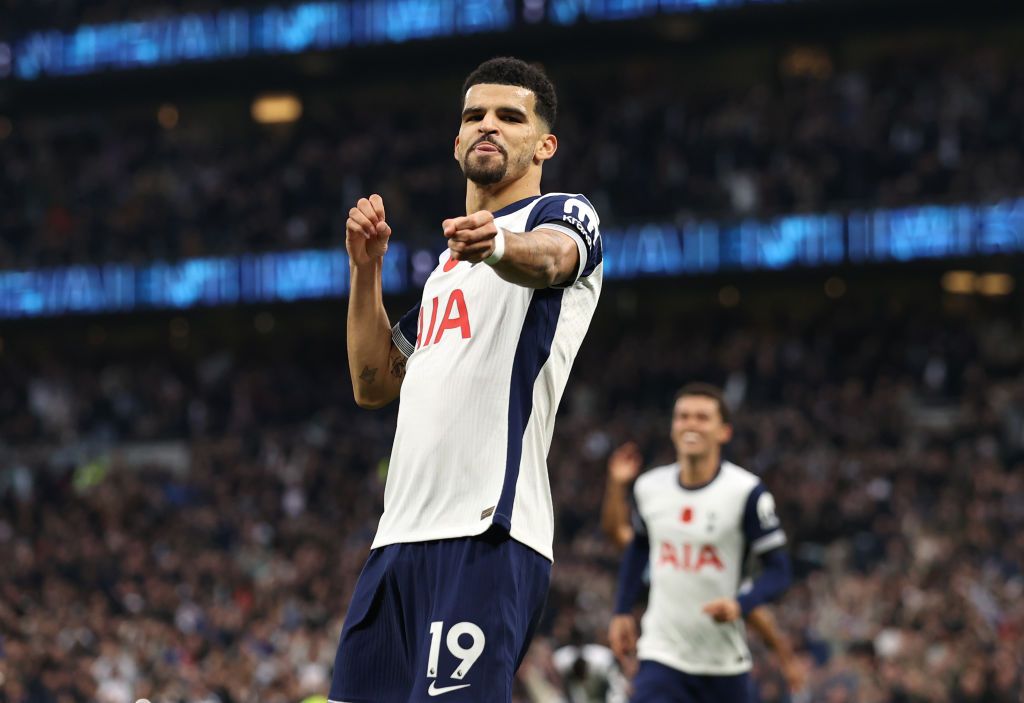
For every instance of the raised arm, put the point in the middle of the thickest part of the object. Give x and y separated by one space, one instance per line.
376 365
623 467
536 259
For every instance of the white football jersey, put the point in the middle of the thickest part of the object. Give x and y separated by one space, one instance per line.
700 540
488 361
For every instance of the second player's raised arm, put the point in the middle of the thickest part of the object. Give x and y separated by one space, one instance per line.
623 467
615 515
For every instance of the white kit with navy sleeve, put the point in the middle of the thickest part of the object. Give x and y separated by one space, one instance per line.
487 363
700 539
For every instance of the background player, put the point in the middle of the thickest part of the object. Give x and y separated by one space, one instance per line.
624 466
697 521
460 567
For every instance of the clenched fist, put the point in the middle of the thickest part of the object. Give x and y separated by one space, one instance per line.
471 238
366 231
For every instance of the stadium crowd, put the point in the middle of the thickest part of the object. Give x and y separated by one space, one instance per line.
909 128
189 529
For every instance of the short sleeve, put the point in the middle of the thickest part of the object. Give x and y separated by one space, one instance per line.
403 334
574 216
761 527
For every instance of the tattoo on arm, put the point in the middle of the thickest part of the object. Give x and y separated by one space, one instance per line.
398 365
368 375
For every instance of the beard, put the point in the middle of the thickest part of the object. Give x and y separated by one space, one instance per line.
485 171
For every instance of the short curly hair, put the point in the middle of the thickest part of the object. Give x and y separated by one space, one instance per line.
506 70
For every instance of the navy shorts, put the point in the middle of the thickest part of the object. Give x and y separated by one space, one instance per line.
657 683
449 618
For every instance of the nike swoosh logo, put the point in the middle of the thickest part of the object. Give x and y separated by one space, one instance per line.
434 691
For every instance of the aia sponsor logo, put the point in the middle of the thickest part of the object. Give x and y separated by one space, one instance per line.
454 318
689 557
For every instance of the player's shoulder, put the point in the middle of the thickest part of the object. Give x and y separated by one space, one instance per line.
558 197
656 479
738 478
571 210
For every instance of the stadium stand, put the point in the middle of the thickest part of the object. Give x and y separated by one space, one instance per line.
186 497
208 555
903 129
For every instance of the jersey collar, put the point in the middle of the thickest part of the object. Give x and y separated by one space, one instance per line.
512 207
679 480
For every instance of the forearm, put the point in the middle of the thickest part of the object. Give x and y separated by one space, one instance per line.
369 338
615 514
538 259
761 621
773 581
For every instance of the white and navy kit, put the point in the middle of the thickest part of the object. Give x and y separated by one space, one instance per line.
488 361
697 542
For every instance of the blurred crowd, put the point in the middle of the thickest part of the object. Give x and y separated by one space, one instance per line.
205 179
188 528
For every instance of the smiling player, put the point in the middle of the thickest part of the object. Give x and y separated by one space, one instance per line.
459 569
697 522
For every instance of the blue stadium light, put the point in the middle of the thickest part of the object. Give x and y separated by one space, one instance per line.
1001 229
262 278
642 251
567 12
932 232
809 241
802 240
239 33
707 247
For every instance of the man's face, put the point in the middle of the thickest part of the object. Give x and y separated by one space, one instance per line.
697 426
500 136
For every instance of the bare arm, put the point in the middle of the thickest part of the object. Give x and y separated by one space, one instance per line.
376 365
536 259
763 622
615 515
623 467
